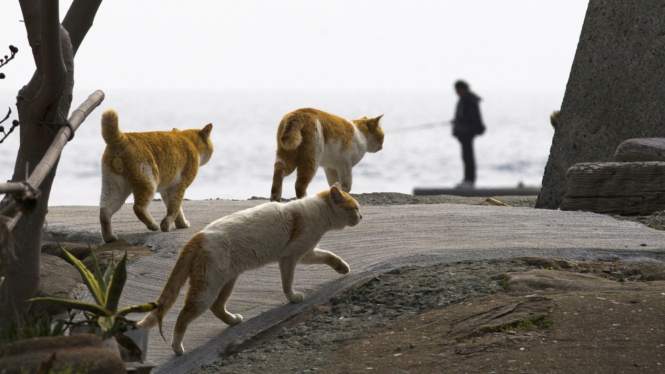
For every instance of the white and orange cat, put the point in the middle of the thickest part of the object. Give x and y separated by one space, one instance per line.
144 163
309 138
284 233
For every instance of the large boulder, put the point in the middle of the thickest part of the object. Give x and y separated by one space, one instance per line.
57 278
614 92
80 353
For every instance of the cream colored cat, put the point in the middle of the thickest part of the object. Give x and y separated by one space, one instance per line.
284 233
143 163
309 138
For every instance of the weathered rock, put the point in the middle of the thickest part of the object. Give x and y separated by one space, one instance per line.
115 251
641 149
57 278
78 250
562 281
507 314
614 92
104 252
80 352
616 187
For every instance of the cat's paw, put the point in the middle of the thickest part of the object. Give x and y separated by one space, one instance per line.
295 297
165 225
234 319
110 238
153 226
181 224
342 267
178 348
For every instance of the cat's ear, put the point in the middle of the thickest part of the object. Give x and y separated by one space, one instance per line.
374 124
207 129
175 130
336 193
363 117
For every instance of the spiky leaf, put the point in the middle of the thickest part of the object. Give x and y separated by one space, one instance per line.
88 277
97 272
71 304
109 272
117 284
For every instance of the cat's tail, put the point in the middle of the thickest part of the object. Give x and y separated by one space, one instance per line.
177 279
110 130
289 137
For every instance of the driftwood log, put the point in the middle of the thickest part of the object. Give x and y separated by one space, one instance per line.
626 188
643 149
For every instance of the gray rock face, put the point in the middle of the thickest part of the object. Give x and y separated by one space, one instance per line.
57 279
615 90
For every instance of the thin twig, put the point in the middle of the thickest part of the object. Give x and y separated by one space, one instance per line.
13 50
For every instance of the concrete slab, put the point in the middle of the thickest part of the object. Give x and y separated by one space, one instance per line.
388 237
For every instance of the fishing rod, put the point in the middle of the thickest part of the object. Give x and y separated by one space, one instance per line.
420 127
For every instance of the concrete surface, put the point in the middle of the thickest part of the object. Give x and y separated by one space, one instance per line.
389 236
615 89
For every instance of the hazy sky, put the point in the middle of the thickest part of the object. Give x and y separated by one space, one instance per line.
316 44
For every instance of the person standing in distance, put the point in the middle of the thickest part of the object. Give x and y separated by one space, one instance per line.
467 124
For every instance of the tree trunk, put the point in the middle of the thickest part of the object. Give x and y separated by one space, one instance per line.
43 106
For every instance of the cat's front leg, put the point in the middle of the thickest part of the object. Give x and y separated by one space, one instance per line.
180 221
331 176
345 177
287 266
319 256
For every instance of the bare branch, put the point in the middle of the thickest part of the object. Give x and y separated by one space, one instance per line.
54 66
79 20
15 124
9 113
12 52
31 16
50 159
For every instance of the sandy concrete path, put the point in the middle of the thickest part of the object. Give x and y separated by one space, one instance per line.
388 237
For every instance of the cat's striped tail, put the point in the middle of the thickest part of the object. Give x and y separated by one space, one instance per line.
110 130
290 136
177 279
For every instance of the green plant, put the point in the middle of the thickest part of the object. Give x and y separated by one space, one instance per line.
106 290
539 321
29 326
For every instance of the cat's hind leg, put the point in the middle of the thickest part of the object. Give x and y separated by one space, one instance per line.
200 296
284 165
306 171
287 266
144 191
345 177
320 256
173 200
331 176
218 308
115 190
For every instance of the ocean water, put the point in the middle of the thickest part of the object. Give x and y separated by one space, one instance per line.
513 150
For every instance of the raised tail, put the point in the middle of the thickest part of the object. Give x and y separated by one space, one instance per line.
177 279
289 134
110 130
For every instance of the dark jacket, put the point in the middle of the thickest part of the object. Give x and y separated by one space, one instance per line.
468 121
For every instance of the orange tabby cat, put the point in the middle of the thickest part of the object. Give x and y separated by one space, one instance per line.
143 163
309 138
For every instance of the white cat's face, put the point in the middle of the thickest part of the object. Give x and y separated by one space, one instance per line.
343 206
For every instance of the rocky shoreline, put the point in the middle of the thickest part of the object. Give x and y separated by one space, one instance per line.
401 322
